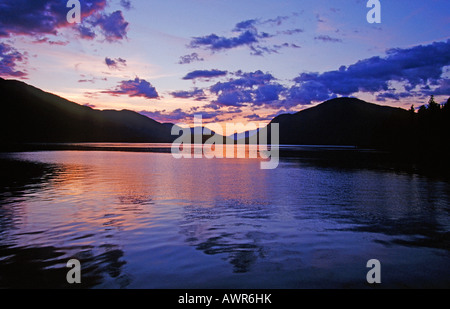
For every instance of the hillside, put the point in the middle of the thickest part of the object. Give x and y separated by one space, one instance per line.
344 121
29 114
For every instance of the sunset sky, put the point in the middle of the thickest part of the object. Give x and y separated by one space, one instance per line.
245 60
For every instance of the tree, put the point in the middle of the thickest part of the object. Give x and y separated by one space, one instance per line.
446 106
433 106
422 110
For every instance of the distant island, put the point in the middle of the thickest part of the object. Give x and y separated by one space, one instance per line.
30 115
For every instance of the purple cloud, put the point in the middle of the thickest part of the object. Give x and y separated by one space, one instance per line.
179 115
216 43
196 93
393 96
47 17
245 25
126 4
9 57
25 17
115 64
419 66
204 74
135 88
292 31
246 34
113 26
327 38
190 58
255 88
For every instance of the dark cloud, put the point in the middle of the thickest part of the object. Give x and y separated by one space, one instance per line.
292 31
306 93
115 64
247 33
113 26
179 115
166 117
327 38
89 105
392 96
217 43
276 21
196 93
126 4
204 74
245 25
255 88
9 57
86 32
46 17
135 88
443 88
40 16
190 58
419 66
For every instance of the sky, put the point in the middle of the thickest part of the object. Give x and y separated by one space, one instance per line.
229 61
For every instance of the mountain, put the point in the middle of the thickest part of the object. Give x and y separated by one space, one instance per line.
345 121
28 114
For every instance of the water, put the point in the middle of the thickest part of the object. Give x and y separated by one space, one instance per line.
147 220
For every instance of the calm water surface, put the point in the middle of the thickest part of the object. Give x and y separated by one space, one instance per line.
147 220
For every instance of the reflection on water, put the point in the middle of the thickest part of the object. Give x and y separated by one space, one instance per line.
147 220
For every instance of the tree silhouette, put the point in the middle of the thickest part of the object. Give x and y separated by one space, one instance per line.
433 107
446 107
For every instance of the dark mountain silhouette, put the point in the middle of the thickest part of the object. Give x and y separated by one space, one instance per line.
29 114
345 121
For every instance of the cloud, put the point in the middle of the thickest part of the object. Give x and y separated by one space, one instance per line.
135 88
126 4
245 25
9 57
92 79
276 21
115 64
255 88
327 38
190 58
166 117
90 105
418 66
196 93
178 115
204 74
48 41
22 17
392 96
47 17
443 88
292 31
113 26
216 43
246 34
